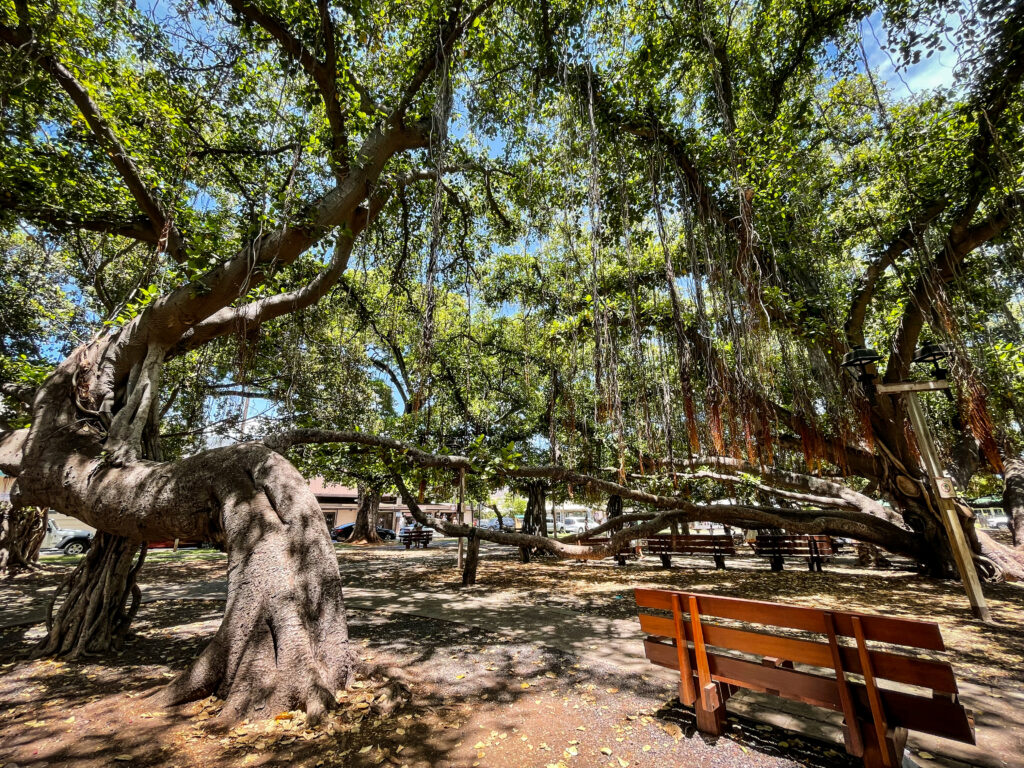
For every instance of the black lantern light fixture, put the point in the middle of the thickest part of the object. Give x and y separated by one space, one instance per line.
933 353
857 361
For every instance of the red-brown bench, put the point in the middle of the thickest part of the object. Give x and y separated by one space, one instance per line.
778 546
813 665
666 545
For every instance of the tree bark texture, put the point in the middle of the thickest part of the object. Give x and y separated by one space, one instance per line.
1013 499
472 559
283 643
365 528
93 613
21 535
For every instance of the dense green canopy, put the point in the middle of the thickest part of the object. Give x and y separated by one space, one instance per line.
633 233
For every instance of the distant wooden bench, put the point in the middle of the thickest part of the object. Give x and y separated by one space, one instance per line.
778 546
666 545
628 550
416 538
763 659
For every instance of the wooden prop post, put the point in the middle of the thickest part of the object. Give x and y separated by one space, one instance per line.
944 492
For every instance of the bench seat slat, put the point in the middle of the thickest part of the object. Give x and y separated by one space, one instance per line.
886 629
926 673
937 716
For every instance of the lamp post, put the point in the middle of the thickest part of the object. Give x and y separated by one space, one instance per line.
942 486
861 357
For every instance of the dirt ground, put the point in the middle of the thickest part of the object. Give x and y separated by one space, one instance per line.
478 699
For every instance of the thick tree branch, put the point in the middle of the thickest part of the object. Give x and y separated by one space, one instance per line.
146 197
323 73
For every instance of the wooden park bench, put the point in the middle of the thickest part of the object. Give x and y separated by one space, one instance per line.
627 550
416 538
814 667
666 545
778 546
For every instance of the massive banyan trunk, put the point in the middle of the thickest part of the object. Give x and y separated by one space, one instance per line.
365 528
22 531
283 643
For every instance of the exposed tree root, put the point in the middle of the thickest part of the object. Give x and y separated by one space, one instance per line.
94 615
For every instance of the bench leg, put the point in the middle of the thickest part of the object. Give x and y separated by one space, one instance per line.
777 563
666 561
710 710
407 544
720 562
620 559
875 756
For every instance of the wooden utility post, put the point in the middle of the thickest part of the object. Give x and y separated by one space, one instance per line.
460 511
944 491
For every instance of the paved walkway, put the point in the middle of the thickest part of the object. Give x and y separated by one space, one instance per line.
999 715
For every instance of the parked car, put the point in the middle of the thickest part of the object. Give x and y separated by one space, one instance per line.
573 525
508 523
71 540
342 532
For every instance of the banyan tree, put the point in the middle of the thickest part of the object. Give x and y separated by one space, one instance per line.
610 251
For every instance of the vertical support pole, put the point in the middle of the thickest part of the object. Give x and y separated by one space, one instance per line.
687 694
886 744
947 510
461 512
854 738
709 707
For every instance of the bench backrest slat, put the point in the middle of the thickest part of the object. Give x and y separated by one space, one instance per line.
713 544
939 716
926 673
885 629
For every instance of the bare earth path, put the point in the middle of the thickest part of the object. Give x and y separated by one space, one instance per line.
553 652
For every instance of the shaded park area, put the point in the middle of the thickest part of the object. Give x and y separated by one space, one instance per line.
534 665
500 383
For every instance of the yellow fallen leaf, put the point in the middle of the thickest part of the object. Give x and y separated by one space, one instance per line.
459 677
622 763
524 686
365 749
605 751
479 745
646 748
572 751
285 716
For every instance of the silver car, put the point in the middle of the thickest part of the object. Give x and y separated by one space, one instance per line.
71 540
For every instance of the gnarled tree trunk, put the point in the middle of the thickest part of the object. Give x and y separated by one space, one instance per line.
283 643
21 535
94 615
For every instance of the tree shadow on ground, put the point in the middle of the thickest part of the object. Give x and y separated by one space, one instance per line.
470 690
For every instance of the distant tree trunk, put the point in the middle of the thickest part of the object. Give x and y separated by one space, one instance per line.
869 555
21 535
614 509
472 558
365 528
1013 499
